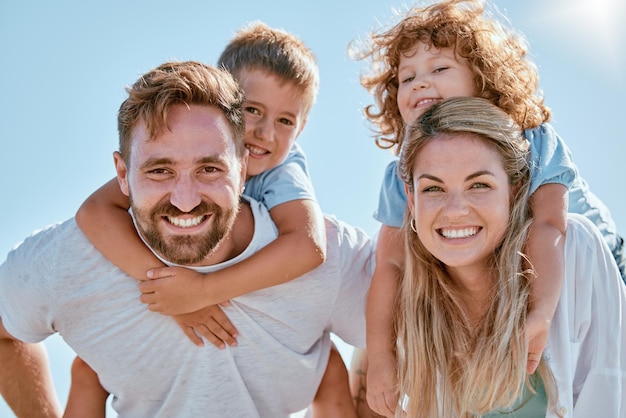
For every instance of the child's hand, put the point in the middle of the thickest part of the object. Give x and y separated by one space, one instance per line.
211 323
537 330
174 290
382 393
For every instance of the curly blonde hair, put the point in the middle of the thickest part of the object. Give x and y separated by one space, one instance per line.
496 54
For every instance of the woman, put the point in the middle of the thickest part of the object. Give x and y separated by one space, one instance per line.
465 294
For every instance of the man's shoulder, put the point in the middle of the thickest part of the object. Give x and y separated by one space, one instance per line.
344 239
48 235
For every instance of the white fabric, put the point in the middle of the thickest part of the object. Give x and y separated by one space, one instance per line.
56 281
587 343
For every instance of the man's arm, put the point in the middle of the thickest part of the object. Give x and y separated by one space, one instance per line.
26 381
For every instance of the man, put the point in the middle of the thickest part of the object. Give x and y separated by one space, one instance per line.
182 162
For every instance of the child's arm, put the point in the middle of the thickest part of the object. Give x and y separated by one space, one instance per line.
298 249
545 248
104 219
87 398
382 395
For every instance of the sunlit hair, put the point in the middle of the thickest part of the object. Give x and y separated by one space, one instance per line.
496 55
275 51
449 366
179 83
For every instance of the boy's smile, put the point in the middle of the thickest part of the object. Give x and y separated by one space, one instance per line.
275 112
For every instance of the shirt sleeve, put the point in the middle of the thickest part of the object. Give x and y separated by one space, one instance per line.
25 295
356 267
550 158
392 199
597 324
284 183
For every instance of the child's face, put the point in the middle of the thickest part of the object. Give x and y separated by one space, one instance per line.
427 75
275 113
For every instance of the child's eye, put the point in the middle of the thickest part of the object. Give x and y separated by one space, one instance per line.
252 110
440 69
408 79
285 121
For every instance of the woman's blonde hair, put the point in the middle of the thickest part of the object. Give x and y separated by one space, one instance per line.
497 56
447 364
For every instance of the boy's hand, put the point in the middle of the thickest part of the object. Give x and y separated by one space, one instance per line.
174 290
382 393
211 323
537 330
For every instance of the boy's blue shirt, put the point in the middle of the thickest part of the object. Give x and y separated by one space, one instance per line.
288 181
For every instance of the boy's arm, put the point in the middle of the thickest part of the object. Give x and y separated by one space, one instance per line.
298 249
545 249
104 219
87 397
382 394
25 381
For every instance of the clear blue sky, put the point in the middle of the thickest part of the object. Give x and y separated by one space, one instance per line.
65 64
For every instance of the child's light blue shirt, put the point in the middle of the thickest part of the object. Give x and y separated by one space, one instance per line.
550 162
288 181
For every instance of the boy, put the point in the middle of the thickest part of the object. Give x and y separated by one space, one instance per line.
280 78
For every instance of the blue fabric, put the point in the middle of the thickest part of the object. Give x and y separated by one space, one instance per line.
529 405
286 182
550 162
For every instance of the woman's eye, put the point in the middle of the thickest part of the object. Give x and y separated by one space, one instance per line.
480 186
431 189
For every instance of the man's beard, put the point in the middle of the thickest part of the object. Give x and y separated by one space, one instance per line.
184 249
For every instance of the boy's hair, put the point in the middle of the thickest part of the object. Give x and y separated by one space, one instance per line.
495 53
179 83
275 51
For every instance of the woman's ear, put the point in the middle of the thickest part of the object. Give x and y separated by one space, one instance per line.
409 197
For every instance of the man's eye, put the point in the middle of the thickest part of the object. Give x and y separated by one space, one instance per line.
158 171
210 169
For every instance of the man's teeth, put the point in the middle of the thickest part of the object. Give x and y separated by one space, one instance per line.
459 233
186 223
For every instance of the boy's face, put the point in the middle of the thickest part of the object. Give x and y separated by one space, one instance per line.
427 75
275 113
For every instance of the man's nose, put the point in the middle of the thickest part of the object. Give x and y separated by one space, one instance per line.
186 194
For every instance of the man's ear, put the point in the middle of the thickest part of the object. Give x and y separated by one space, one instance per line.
244 171
122 172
